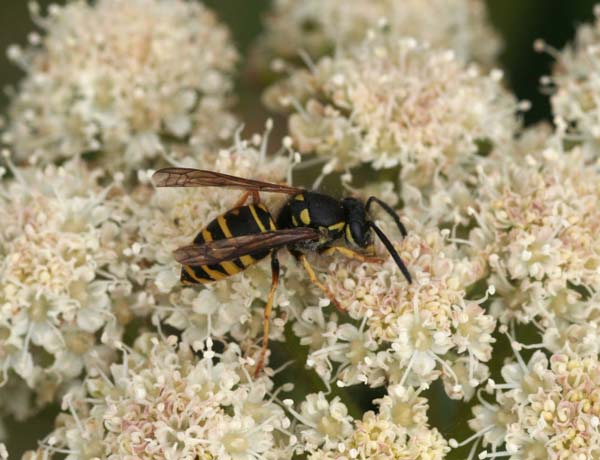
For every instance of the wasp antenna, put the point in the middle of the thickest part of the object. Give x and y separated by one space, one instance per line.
388 245
387 208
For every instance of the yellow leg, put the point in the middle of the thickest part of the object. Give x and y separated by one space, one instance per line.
267 314
351 254
313 279
370 250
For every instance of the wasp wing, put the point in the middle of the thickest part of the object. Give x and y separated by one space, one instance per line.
188 177
214 252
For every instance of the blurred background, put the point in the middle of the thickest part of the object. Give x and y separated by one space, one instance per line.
519 22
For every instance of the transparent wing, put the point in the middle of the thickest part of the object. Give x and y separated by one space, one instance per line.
187 177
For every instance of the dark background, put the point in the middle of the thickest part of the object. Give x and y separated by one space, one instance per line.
519 22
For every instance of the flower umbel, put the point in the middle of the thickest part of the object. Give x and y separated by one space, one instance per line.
408 334
163 402
546 409
386 102
574 84
381 435
392 102
317 27
60 247
127 80
537 223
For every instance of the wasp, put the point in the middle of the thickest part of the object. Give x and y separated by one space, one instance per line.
248 233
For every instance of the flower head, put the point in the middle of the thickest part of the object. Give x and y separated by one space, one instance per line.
548 408
317 27
537 223
392 102
381 435
575 83
408 334
127 80
324 423
163 402
60 247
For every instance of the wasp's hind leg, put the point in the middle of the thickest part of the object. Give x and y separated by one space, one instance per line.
245 196
268 310
351 254
313 279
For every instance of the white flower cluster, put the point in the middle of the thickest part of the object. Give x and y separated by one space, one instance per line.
316 27
164 403
126 80
575 84
391 102
537 222
548 408
398 431
60 249
503 226
404 334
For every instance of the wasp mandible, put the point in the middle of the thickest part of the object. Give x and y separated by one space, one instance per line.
247 233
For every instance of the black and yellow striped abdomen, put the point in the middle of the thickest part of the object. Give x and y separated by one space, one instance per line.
245 220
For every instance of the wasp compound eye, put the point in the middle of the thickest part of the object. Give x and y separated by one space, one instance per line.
360 233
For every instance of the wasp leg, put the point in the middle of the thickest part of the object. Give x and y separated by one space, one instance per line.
351 254
245 196
313 279
268 310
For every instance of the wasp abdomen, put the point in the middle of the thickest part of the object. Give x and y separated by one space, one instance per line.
245 220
